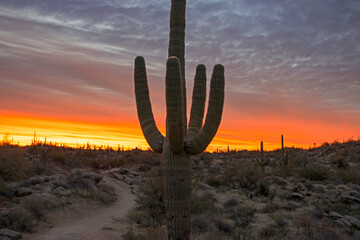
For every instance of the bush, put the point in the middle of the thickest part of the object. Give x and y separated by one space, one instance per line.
267 232
315 173
18 219
199 223
13 165
246 175
242 215
152 199
262 187
213 181
223 225
270 207
310 229
340 161
349 176
279 219
202 204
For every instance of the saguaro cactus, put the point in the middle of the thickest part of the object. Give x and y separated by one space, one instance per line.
181 140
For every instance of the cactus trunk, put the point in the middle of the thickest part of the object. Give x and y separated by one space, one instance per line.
177 193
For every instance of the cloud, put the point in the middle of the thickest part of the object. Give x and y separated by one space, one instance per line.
278 55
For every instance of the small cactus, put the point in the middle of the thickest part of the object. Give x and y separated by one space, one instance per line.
263 162
181 140
284 155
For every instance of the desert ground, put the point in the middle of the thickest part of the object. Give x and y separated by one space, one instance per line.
62 193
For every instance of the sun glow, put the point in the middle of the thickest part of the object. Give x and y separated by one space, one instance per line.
126 132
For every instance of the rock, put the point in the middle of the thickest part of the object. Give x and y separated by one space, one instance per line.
26 183
13 185
23 191
118 176
36 187
93 176
346 222
354 221
60 191
87 174
47 201
47 189
66 201
335 215
10 234
297 196
59 180
300 188
129 180
350 199
123 170
341 223
39 179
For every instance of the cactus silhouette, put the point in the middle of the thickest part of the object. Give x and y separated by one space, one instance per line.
181 140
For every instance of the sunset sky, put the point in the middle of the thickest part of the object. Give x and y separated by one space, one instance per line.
291 67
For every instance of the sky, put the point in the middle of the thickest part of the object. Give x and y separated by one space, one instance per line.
291 67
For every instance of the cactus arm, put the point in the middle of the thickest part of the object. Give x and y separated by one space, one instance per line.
177 42
199 143
175 123
198 102
143 105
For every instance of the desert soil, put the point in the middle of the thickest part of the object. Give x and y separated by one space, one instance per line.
83 220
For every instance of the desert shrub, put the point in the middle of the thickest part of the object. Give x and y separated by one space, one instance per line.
232 202
213 181
351 175
144 160
132 234
242 234
315 173
203 203
158 233
270 207
59 157
39 204
105 193
242 215
339 160
199 223
262 187
213 235
246 175
279 219
223 225
152 198
18 219
206 158
311 229
113 162
267 232
107 163
13 165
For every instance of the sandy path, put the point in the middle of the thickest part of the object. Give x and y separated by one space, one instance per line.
98 223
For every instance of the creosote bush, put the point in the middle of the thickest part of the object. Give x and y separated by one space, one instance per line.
13 165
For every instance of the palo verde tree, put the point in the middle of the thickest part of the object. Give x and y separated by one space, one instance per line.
181 140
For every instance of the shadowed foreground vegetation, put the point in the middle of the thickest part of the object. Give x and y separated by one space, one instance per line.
315 195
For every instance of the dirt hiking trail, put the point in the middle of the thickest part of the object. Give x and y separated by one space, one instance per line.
87 221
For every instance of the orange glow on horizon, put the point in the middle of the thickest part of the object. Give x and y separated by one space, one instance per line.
128 134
